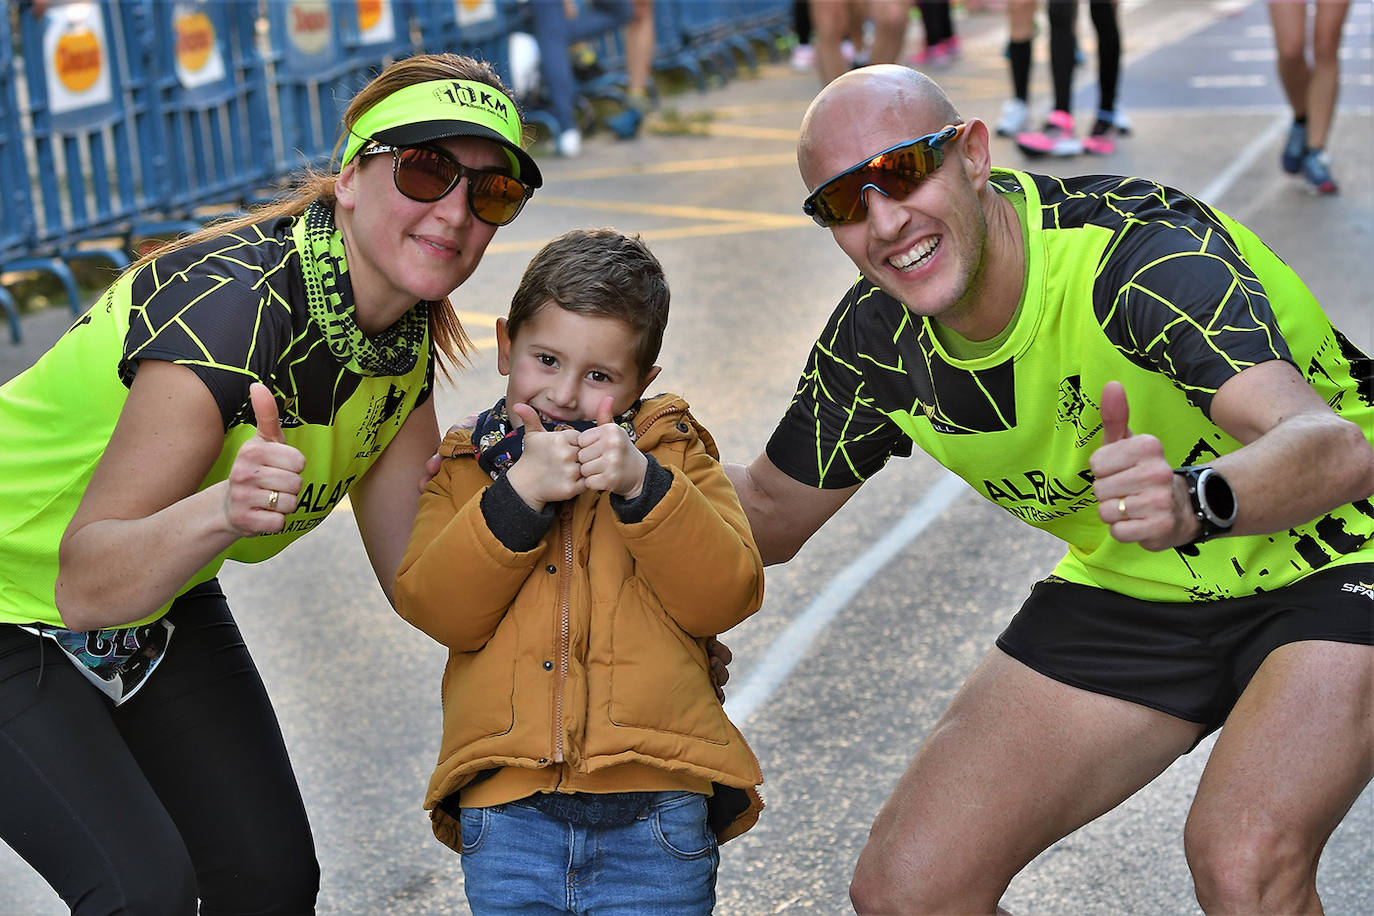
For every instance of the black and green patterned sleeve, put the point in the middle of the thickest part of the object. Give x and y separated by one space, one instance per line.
215 308
833 435
1179 298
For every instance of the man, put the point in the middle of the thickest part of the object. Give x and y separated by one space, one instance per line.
1125 367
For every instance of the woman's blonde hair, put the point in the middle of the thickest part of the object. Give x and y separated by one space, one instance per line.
451 343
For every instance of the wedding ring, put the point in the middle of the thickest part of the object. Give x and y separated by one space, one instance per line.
1120 507
272 497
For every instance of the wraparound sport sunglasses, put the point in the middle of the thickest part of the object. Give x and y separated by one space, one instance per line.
426 174
893 173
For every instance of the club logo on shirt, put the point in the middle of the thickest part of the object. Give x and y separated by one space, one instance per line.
1038 498
1360 588
290 413
381 410
1071 407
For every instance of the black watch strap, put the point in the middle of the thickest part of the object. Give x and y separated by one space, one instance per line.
1213 502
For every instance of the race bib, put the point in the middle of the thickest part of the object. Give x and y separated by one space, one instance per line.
118 660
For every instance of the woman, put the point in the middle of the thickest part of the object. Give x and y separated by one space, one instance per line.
218 402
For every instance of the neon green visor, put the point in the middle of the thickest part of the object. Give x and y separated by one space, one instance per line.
438 109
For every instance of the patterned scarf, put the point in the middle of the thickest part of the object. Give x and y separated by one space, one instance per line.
498 446
329 298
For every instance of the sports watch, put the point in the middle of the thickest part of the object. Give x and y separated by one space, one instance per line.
1214 502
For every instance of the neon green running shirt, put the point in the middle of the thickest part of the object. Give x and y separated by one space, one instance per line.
1125 280
232 309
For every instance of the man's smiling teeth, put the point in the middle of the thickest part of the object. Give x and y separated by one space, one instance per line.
916 255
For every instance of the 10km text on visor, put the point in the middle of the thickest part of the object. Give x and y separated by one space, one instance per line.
894 173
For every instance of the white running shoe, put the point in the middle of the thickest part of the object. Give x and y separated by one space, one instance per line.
1015 115
570 143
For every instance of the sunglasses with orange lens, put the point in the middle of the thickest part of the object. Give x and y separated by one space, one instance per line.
894 173
426 174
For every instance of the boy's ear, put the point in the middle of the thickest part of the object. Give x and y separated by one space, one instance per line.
649 378
502 347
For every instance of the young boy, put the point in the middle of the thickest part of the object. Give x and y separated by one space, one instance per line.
575 552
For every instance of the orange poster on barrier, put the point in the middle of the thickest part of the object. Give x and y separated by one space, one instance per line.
197 56
470 12
77 52
307 25
376 25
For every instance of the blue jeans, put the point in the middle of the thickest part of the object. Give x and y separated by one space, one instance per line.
554 31
517 859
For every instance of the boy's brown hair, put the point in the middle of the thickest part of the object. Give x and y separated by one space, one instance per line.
598 272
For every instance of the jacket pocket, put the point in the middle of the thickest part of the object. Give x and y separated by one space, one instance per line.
480 688
658 676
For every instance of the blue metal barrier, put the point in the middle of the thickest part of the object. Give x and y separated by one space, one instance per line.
94 171
374 33
670 43
16 207
764 22
707 27
129 116
480 29
92 180
377 30
311 80
208 100
477 28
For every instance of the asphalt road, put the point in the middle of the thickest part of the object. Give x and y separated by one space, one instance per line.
866 635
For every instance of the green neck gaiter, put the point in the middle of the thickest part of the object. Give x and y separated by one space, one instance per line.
329 298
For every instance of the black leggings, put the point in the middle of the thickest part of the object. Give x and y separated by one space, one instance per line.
183 793
1064 48
936 18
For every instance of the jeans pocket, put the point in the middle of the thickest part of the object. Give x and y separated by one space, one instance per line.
679 824
474 823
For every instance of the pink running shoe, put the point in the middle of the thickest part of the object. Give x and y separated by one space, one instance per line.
940 54
1056 139
1102 140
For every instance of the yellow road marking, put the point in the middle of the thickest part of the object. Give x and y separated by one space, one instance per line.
719 129
682 165
682 212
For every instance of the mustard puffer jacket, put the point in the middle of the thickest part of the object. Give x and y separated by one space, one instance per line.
588 650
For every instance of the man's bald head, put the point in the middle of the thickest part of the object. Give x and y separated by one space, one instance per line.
883 94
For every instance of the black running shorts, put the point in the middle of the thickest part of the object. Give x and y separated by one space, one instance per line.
1192 659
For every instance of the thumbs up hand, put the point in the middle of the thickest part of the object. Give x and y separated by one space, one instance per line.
1133 483
1116 414
547 471
265 478
608 458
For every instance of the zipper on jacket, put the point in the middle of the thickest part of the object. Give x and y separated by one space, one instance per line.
565 513
564 625
643 424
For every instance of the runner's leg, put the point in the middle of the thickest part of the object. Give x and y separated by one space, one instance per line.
1017 762
1295 753
208 739
1324 81
77 806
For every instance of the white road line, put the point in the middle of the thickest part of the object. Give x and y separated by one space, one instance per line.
787 651
1257 147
